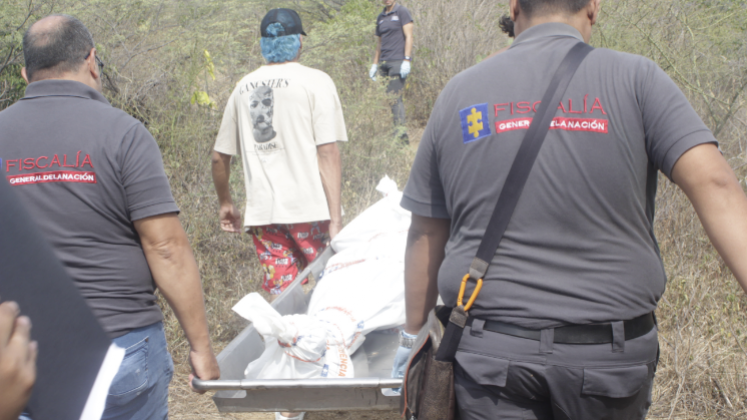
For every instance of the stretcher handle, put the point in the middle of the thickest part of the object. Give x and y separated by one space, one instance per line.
291 384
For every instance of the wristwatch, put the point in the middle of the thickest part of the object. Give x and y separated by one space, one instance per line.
408 58
406 340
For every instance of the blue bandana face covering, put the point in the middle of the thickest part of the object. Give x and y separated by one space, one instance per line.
279 49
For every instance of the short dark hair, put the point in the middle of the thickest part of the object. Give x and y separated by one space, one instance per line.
61 48
531 7
507 26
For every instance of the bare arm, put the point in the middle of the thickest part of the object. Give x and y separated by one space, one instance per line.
713 189
423 257
174 269
407 29
230 219
377 54
330 169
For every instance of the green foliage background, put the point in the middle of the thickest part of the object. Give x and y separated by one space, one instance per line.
173 63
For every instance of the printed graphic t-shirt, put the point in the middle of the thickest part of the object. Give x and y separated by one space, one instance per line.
580 246
276 117
85 171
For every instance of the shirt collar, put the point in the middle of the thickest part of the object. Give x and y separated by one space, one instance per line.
394 9
547 30
61 87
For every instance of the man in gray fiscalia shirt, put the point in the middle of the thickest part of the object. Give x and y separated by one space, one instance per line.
91 176
579 249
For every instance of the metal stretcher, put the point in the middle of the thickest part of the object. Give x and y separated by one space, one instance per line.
372 363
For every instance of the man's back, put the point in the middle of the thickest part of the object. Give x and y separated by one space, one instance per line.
564 325
93 180
85 171
580 245
280 114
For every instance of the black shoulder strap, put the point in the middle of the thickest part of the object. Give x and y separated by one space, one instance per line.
522 166
509 196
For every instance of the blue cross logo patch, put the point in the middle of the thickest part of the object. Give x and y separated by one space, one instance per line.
475 123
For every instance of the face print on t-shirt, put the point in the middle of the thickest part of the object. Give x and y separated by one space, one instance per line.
261 109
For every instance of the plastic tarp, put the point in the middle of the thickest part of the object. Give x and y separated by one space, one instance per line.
360 290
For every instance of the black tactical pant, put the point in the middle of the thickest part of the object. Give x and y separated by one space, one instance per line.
499 376
391 70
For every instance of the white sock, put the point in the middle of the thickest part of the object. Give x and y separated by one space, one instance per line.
298 416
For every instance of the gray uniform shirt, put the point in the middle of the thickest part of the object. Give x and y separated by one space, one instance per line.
389 28
580 246
85 171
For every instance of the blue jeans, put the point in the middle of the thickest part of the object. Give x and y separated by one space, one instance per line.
140 389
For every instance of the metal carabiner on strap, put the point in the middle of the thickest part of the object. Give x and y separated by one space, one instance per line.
472 298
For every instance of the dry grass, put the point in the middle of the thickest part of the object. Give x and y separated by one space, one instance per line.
703 325
155 55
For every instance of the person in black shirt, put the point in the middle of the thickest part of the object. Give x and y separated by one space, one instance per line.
393 57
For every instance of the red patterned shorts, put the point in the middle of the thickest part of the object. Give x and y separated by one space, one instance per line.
285 250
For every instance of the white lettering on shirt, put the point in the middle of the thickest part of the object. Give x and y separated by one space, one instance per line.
594 125
57 176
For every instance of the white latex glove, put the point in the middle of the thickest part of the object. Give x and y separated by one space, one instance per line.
404 69
400 361
372 72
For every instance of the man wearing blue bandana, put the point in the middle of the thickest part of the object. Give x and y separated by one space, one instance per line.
285 120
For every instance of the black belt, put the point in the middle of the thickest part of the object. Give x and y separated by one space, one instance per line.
577 334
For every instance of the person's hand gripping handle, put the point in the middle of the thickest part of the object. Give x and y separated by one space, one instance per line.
403 355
